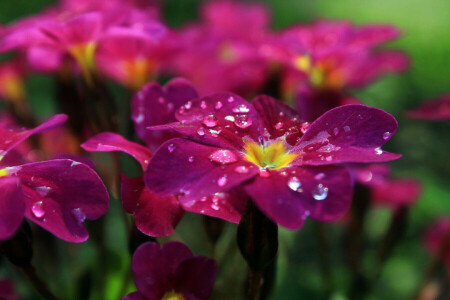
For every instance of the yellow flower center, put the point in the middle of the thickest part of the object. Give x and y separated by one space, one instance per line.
13 88
322 74
173 296
4 172
138 72
226 53
84 55
274 156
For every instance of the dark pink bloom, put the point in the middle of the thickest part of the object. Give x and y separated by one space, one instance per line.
434 110
437 238
7 290
171 272
12 85
58 195
286 166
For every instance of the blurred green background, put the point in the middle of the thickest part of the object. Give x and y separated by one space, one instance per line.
424 145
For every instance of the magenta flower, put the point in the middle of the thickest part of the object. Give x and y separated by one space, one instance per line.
171 272
58 195
437 239
12 86
434 110
287 167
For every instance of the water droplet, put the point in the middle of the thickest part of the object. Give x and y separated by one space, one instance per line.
75 163
218 105
210 121
188 105
319 176
347 128
222 181
203 105
230 99
230 118
263 172
171 147
241 169
215 133
304 127
43 191
335 131
386 135
241 109
140 118
279 125
38 210
378 151
320 192
223 156
294 183
201 131
79 215
191 159
329 158
243 121
215 207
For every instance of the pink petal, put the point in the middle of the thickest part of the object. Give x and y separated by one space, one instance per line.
12 206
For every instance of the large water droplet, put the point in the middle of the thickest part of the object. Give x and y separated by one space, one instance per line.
320 192
386 135
43 191
223 156
171 147
241 169
201 131
222 181
38 210
294 183
241 109
304 127
210 121
243 121
79 215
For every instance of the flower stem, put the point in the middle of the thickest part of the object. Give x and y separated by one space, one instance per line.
37 283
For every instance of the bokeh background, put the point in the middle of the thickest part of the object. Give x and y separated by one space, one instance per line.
75 271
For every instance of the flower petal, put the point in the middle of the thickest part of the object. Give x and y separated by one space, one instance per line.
11 137
221 119
12 206
349 133
155 105
396 193
434 110
109 141
288 197
154 215
184 167
61 194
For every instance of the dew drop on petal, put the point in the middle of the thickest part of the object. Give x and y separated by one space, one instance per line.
230 99
218 105
201 131
171 147
43 191
319 176
203 104
222 181
210 121
304 127
230 118
294 183
38 210
320 192
241 169
329 158
188 105
79 215
191 159
263 172
347 128
215 206
386 135
223 156
378 151
241 109
335 131
279 126
243 121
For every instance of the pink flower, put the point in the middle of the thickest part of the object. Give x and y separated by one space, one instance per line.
434 110
437 239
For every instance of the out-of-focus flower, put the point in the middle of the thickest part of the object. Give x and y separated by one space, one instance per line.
222 51
437 239
385 190
434 110
58 195
7 290
12 87
286 166
171 272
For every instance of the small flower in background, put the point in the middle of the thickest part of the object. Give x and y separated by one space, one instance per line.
7 290
171 272
58 195
12 86
437 239
434 110
287 167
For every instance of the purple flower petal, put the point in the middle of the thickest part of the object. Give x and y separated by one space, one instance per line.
195 277
349 133
396 193
12 206
227 206
61 194
220 119
108 141
278 118
434 110
155 105
185 167
290 196
11 137
154 215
